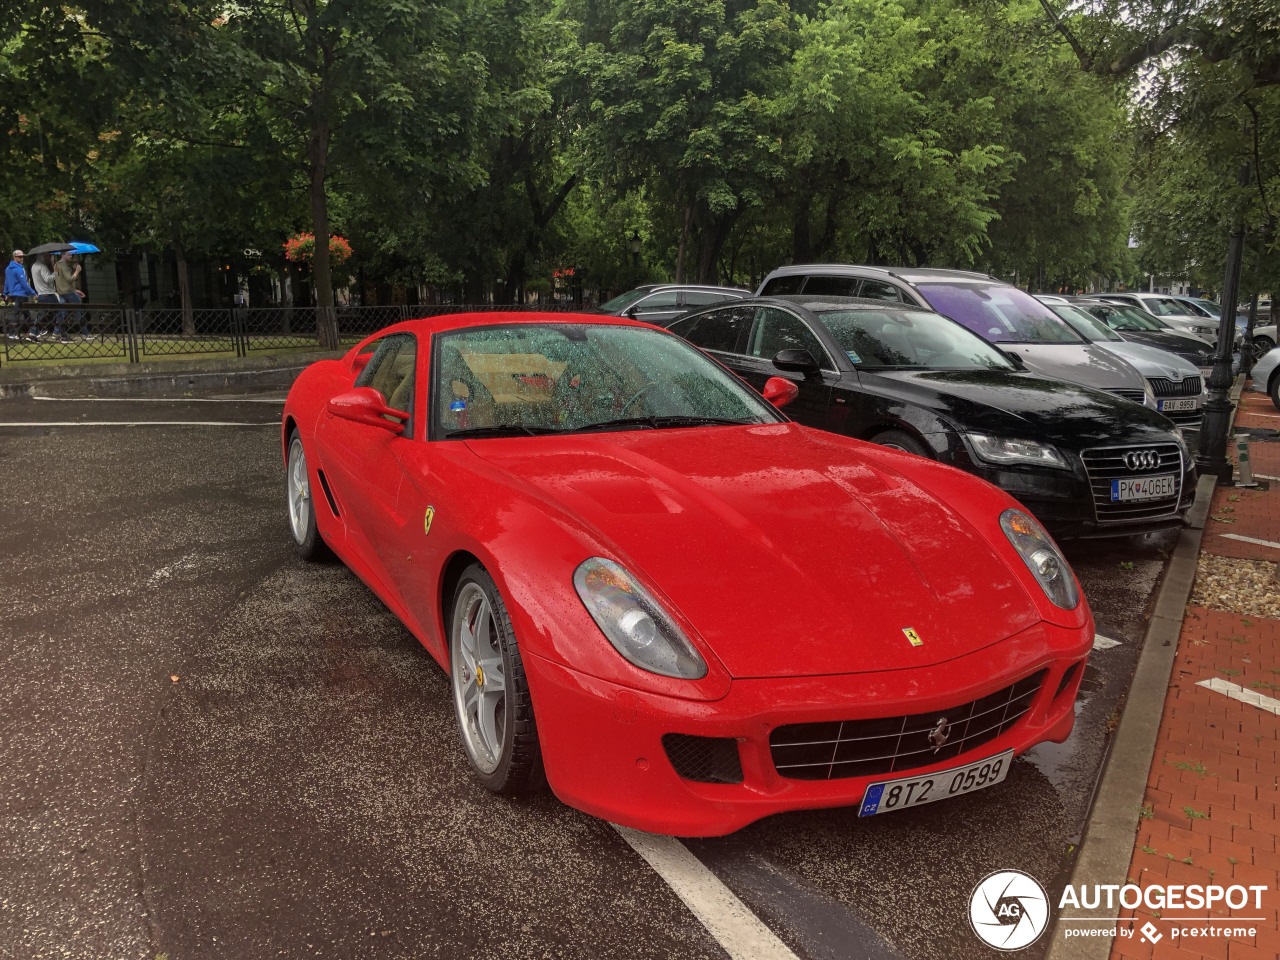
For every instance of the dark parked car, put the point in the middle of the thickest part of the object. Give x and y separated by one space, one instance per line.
661 303
1086 462
1141 327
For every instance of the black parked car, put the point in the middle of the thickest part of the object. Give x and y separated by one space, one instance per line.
660 303
1088 463
1141 327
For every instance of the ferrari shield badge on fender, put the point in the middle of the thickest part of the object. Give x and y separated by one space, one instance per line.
912 637
426 520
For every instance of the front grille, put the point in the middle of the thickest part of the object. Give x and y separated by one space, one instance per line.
1129 393
704 759
1104 464
1164 387
859 748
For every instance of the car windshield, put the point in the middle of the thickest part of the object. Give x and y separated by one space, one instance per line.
1085 324
1120 316
1164 307
998 312
622 301
525 379
905 338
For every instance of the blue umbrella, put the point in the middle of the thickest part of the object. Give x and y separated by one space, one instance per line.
79 247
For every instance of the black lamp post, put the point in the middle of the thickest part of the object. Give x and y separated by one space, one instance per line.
1211 458
634 245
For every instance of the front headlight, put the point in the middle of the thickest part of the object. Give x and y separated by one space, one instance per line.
1004 450
633 621
1042 557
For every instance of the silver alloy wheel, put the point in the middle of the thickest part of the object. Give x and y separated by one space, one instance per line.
299 492
478 677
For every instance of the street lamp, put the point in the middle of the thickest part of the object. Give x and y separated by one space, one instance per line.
634 245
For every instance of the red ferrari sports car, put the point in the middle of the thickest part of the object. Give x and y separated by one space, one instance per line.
652 590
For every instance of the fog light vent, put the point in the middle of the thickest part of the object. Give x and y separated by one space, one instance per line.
704 759
1067 679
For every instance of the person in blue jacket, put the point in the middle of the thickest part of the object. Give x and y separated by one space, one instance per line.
16 289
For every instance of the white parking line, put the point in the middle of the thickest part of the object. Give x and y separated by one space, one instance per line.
1262 543
137 423
1104 643
1237 692
154 400
737 929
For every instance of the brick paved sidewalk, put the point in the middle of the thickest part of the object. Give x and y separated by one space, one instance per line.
1213 792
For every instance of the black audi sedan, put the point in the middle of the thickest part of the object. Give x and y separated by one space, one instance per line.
1086 462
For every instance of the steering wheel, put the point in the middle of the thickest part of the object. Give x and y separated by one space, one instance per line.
637 395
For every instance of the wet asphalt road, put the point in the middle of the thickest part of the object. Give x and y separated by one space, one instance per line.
298 789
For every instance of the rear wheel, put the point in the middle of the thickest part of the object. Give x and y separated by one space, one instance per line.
1261 345
1273 388
302 513
900 440
490 693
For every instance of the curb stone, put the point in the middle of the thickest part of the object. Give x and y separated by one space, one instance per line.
1107 848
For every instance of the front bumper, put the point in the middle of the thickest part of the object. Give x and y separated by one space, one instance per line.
603 751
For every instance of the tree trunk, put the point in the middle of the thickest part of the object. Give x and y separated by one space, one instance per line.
322 277
801 252
684 243
184 290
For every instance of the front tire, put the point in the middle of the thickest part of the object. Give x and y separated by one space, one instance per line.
1261 345
490 692
1273 389
302 510
900 440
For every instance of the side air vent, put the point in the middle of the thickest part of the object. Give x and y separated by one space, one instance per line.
328 494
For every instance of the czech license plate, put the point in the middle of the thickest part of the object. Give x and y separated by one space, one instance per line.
1143 488
1187 404
913 791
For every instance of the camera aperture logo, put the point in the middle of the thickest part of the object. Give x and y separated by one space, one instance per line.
1008 910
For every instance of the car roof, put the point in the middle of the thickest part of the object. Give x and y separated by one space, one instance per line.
818 302
652 287
909 274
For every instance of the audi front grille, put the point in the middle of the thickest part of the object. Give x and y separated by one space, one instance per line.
1104 464
858 748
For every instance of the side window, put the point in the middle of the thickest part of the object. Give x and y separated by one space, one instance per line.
832 286
777 330
718 330
391 372
666 300
704 298
879 290
781 286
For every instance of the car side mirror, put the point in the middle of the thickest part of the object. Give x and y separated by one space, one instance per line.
1016 360
795 361
360 362
780 391
365 405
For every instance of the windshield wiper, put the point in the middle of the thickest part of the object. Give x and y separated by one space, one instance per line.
657 423
501 430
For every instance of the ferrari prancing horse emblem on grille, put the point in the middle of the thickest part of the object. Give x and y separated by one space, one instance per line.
939 735
912 637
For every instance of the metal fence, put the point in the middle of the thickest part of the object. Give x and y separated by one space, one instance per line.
39 331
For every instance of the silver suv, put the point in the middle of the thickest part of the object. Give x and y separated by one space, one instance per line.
1023 327
660 303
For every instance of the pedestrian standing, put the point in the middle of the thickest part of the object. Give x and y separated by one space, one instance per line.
67 274
17 290
43 279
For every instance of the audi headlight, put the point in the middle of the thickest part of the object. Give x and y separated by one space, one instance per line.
1042 557
1004 450
634 622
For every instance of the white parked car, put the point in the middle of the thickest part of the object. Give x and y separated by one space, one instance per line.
1175 383
1180 316
1266 376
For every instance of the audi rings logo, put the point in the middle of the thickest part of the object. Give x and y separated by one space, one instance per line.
1142 459
1008 910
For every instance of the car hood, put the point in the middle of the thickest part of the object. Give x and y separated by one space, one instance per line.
1184 344
1027 406
786 551
1152 361
1083 363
